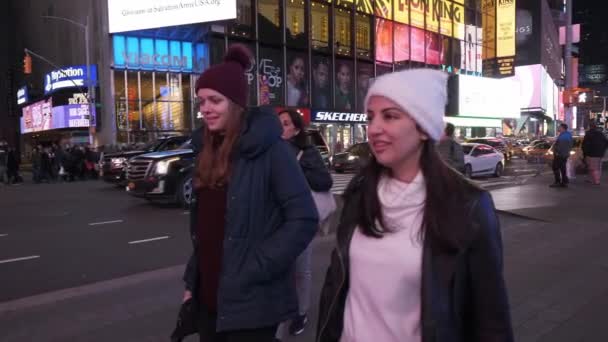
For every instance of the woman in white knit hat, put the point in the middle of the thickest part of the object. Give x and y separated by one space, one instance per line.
419 252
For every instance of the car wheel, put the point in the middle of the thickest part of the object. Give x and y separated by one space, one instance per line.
468 171
184 191
499 169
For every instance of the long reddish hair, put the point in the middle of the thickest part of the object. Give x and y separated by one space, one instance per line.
214 161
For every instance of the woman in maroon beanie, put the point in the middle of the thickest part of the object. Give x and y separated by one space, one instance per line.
253 213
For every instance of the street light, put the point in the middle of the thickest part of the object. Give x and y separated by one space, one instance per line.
90 88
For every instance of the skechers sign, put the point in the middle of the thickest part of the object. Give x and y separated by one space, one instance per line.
69 77
339 117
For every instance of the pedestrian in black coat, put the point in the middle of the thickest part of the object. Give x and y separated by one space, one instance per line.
253 214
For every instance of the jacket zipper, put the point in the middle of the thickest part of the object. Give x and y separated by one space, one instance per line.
343 280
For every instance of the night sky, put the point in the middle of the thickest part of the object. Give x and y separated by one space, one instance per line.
594 35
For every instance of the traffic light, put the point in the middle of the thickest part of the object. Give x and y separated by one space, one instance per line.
27 64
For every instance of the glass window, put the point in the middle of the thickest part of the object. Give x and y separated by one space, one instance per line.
433 48
344 85
120 100
365 6
133 100
402 43
417 47
270 77
218 49
365 73
363 35
345 3
384 40
296 24
243 25
384 9
269 21
320 26
297 79
147 100
342 32
321 82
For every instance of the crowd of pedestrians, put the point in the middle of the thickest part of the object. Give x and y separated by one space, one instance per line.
69 163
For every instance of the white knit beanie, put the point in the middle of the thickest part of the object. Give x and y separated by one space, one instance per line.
422 93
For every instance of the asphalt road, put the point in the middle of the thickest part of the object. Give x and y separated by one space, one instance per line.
55 236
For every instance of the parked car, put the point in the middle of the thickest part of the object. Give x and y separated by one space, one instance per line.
316 139
482 160
499 144
164 176
352 159
114 165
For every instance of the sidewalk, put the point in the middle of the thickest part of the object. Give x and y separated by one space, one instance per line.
556 268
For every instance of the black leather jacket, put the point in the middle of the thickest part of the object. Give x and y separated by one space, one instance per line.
464 298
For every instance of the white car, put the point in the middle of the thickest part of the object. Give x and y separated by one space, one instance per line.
482 160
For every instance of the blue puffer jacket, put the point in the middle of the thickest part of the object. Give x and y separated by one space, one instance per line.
270 220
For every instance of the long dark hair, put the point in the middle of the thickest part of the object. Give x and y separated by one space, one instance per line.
300 140
444 214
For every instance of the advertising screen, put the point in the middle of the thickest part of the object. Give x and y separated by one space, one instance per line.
402 43
418 45
505 28
433 49
296 80
538 90
69 77
42 116
135 15
487 97
344 81
384 41
321 82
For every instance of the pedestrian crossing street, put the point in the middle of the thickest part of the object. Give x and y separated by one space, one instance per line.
341 181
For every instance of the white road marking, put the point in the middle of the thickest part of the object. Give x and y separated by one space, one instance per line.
19 259
185 213
3 235
105 222
149 240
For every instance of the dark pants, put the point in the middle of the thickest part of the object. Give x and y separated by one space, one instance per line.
559 170
207 332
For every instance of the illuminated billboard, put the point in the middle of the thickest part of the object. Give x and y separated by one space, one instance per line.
135 15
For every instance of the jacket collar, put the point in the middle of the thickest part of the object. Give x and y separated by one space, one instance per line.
261 130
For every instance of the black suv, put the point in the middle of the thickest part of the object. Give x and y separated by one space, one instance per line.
164 176
353 159
114 165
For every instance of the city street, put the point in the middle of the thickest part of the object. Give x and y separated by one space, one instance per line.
85 262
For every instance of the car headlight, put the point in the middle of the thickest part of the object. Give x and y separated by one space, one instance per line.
352 157
572 153
331 159
162 167
118 161
550 153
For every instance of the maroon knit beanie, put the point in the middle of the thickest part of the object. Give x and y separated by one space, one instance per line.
228 77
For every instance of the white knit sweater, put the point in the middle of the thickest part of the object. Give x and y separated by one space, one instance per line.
383 302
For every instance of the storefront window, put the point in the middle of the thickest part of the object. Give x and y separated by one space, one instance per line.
402 43
133 101
363 36
342 32
320 26
433 48
344 96
296 24
243 25
271 77
384 40
321 82
269 21
384 9
120 100
148 101
365 73
297 80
